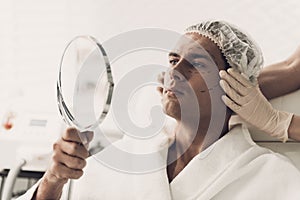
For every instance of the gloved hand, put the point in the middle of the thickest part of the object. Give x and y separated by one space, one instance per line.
246 99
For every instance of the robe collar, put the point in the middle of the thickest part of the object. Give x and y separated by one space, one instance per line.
208 165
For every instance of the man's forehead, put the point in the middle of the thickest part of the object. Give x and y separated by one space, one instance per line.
189 45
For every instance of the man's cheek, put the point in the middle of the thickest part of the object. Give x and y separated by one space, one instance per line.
212 79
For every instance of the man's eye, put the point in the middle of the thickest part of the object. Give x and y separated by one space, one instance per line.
173 61
198 65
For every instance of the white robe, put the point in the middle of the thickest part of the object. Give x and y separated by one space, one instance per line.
234 167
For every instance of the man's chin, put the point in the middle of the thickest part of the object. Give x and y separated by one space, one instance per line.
172 112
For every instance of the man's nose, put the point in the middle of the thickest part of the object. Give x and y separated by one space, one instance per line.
172 77
175 75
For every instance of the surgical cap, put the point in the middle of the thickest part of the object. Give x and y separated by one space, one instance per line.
240 51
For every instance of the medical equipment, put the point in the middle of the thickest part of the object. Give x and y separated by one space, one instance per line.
27 145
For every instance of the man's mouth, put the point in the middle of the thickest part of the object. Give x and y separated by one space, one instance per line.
173 92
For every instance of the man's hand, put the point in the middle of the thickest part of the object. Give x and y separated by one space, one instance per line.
68 161
69 156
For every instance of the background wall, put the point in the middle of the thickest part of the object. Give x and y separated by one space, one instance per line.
34 33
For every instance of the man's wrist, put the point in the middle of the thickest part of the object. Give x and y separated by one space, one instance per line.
50 187
49 178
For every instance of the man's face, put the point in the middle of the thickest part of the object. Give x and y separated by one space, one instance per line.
193 73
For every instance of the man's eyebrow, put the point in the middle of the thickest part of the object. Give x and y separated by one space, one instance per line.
174 54
192 55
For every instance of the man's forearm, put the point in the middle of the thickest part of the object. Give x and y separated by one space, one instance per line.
49 189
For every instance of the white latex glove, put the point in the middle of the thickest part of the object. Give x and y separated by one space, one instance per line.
246 99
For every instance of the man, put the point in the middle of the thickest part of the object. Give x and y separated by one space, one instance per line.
204 159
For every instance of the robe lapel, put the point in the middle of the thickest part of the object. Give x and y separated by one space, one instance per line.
211 170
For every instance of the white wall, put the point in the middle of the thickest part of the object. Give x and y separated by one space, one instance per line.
34 32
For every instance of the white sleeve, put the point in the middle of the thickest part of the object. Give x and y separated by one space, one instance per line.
28 195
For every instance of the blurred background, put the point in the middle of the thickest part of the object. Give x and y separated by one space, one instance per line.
34 34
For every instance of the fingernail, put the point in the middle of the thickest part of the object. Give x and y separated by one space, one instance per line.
222 73
230 70
223 98
83 138
221 84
